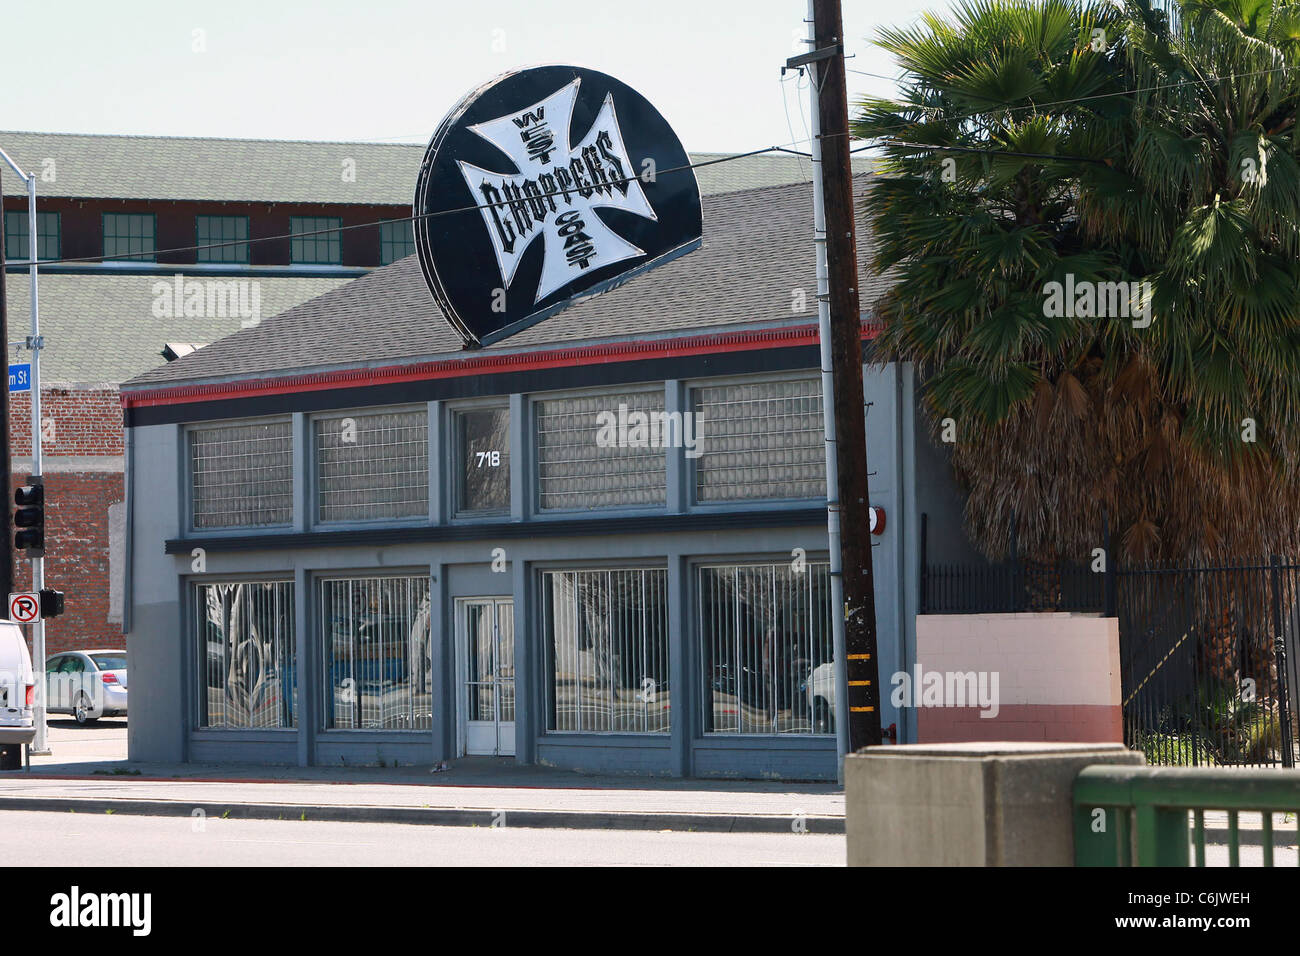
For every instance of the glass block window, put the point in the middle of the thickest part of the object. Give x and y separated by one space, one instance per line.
606 639
48 239
130 236
765 634
591 454
310 245
242 475
376 653
213 231
396 241
483 460
246 649
760 440
373 466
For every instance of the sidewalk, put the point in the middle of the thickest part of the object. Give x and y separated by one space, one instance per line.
85 775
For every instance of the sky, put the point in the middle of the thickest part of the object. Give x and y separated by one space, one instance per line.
389 70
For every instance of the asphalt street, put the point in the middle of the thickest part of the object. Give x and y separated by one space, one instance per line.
79 840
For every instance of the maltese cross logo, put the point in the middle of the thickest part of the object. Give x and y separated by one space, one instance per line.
557 190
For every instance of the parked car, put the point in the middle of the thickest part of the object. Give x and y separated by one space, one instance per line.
17 690
86 684
820 688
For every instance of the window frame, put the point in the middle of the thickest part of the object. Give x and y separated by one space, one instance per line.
199 242
533 446
693 502
152 256
312 476
410 227
197 666
336 236
23 217
316 635
453 479
698 670
545 698
187 469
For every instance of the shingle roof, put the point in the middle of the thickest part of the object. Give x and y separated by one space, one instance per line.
250 170
756 265
102 328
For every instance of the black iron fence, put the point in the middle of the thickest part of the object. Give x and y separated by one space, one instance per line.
1209 657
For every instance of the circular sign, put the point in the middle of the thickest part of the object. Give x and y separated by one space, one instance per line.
25 608
543 185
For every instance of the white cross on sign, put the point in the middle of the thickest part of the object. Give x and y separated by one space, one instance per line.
25 607
596 172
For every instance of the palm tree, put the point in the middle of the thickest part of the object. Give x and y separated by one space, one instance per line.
1182 431
1072 142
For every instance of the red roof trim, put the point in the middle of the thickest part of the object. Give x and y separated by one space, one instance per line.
479 364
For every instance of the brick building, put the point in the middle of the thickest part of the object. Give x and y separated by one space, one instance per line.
282 223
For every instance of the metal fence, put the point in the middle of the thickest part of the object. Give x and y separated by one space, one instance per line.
1208 655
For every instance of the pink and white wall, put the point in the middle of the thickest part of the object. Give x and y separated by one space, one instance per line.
1057 676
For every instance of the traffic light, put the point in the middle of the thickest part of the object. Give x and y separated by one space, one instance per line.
29 518
51 603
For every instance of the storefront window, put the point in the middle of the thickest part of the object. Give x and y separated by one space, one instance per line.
606 636
246 650
483 454
371 466
376 653
242 475
760 440
767 649
588 456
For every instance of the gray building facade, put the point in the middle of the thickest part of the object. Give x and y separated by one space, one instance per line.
599 545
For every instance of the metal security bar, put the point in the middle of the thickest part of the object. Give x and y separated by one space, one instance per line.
1164 816
372 466
242 475
767 649
760 440
377 654
607 645
582 464
245 639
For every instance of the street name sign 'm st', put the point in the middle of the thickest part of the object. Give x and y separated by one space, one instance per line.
542 186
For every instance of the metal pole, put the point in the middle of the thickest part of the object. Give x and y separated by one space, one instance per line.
828 417
40 745
6 530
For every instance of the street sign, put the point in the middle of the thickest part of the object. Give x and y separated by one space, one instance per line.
20 377
544 185
25 607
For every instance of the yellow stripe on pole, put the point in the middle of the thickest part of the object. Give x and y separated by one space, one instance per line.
861 710
859 683
859 657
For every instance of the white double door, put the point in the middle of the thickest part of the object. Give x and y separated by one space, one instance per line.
486 651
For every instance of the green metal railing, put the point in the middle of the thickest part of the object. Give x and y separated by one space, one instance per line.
1155 816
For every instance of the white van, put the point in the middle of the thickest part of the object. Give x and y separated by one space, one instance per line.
17 690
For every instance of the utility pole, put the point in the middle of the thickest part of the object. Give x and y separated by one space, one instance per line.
40 744
857 679
6 531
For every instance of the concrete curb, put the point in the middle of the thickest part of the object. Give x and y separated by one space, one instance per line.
436 816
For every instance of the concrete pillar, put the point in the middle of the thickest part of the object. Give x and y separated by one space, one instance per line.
967 804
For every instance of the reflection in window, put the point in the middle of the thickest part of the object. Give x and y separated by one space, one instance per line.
246 644
483 450
767 649
607 646
376 652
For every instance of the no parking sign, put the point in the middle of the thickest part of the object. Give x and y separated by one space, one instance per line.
25 607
